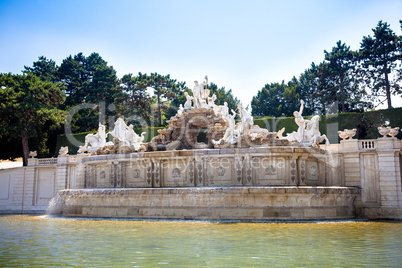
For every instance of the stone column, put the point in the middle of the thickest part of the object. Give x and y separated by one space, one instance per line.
390 178
351 158
61 172
78 182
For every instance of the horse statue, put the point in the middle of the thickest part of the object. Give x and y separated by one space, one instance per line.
312 133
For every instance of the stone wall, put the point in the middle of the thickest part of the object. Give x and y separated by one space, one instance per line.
375 166
262 166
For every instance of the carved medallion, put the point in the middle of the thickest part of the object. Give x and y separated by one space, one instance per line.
313 170
136 173
102 175
270 170
176 173
220 171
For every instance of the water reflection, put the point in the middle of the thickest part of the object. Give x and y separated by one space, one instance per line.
33 240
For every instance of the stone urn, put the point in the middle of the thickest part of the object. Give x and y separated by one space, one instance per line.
384 131
393 131
350 132
342 135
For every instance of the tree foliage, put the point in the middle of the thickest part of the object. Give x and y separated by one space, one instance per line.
342 82
133 101
379 55
27 104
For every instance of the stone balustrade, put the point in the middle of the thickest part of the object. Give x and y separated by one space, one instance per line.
367 144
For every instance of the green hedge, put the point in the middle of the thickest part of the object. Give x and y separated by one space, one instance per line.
365 123
63 140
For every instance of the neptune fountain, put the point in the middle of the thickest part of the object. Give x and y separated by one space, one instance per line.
240 172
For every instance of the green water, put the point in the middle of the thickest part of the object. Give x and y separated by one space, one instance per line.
41 241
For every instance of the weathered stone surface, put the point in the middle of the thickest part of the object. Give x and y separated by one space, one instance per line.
212 203
174 145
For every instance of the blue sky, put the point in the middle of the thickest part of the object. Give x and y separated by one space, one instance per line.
241 45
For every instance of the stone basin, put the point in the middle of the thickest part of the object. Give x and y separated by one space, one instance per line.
210 203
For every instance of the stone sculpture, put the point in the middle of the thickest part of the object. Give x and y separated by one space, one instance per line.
125 140
132 139
387 130
347 133
307 135
211 100
312 135
33 154
119 131
301 122
231 135
93 142
63 151
246 120
180 111
187 104
224 110
126 136
200 94
200 114
393 132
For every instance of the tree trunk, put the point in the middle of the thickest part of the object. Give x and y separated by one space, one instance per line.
388 91
159 112
342 96
25 148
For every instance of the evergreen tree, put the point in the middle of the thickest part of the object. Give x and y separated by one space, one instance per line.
133 99
165 89
45 69
88 80
27 103
342 78
379 55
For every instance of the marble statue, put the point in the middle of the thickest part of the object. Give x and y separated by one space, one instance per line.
180 111
301 122
119 131
307 135
187 104
312 135
133 139
224 110
126 135
280 133
200 94
211 101
231 134
246 120
93 142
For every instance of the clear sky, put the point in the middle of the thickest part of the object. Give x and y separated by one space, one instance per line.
241 45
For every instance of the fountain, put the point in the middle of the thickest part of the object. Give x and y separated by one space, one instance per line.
240 172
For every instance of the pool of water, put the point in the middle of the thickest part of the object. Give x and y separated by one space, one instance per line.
42 241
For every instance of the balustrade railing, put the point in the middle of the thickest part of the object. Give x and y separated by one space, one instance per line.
73 159
367 144
47 161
